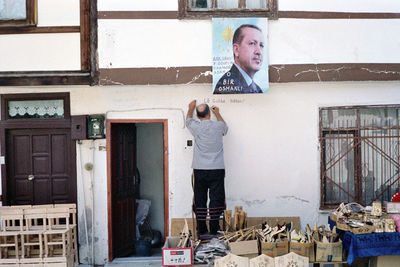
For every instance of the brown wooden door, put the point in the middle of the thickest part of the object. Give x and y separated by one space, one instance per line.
38 167
123 156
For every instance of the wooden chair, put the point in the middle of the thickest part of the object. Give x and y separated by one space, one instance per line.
73 227
58 234
11 228
32 236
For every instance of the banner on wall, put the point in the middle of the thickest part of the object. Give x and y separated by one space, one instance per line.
240 59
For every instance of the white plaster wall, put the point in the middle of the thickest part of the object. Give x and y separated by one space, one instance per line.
148 43
40 52
58 13
45 52
299 5
153 43
296 41
341 5
137 5
92 201
272 156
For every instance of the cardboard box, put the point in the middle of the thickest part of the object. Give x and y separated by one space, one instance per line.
386 261
303 249
247 249
329 252
274 249
173 256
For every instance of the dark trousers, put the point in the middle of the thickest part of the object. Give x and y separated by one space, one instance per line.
212 182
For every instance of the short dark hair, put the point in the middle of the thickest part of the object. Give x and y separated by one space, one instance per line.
204 113
238 36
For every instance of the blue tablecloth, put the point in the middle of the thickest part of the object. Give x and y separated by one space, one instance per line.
369 245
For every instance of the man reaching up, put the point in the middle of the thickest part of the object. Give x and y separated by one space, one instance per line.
208 161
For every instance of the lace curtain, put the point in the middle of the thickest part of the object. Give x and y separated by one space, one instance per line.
36 109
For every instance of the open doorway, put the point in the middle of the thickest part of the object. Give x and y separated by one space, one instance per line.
137 154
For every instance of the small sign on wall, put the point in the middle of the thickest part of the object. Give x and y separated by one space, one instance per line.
240 58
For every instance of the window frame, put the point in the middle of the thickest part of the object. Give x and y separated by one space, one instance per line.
5 98
270 12
31 17
357 133
88 73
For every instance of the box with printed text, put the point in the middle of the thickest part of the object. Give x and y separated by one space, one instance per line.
173 256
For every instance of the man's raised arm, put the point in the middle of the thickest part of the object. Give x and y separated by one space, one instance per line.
192 106
215 110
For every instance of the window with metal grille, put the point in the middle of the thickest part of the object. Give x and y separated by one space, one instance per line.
227 8
360 157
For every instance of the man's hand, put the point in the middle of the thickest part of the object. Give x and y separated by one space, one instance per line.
215 110
192 106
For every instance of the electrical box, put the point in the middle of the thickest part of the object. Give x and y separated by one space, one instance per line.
78 127
95 126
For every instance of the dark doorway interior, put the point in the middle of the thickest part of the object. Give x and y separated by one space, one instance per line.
137 177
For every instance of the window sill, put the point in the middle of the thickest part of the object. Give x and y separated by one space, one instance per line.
35 78
324 211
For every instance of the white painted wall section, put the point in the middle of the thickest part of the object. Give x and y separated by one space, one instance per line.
390 6
272 157
293 5
298 41
92 201
40 52
172 43
58 13
159 43
137 5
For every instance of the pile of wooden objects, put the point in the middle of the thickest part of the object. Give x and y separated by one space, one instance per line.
302 236
322 234
263 232
359 220
273 234
40 235
185 237
240 235
239 219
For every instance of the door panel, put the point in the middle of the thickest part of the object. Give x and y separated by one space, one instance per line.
123 190
38 166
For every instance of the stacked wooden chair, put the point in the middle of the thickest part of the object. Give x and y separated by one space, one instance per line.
41 235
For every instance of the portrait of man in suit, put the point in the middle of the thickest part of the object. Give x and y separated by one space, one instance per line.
248 51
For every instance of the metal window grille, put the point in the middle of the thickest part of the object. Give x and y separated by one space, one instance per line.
360 157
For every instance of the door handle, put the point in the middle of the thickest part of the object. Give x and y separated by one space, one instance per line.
31 177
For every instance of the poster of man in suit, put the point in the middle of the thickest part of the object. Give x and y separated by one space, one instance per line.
240 60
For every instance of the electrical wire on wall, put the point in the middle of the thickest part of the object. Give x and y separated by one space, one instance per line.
142 109
92 192
83 193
